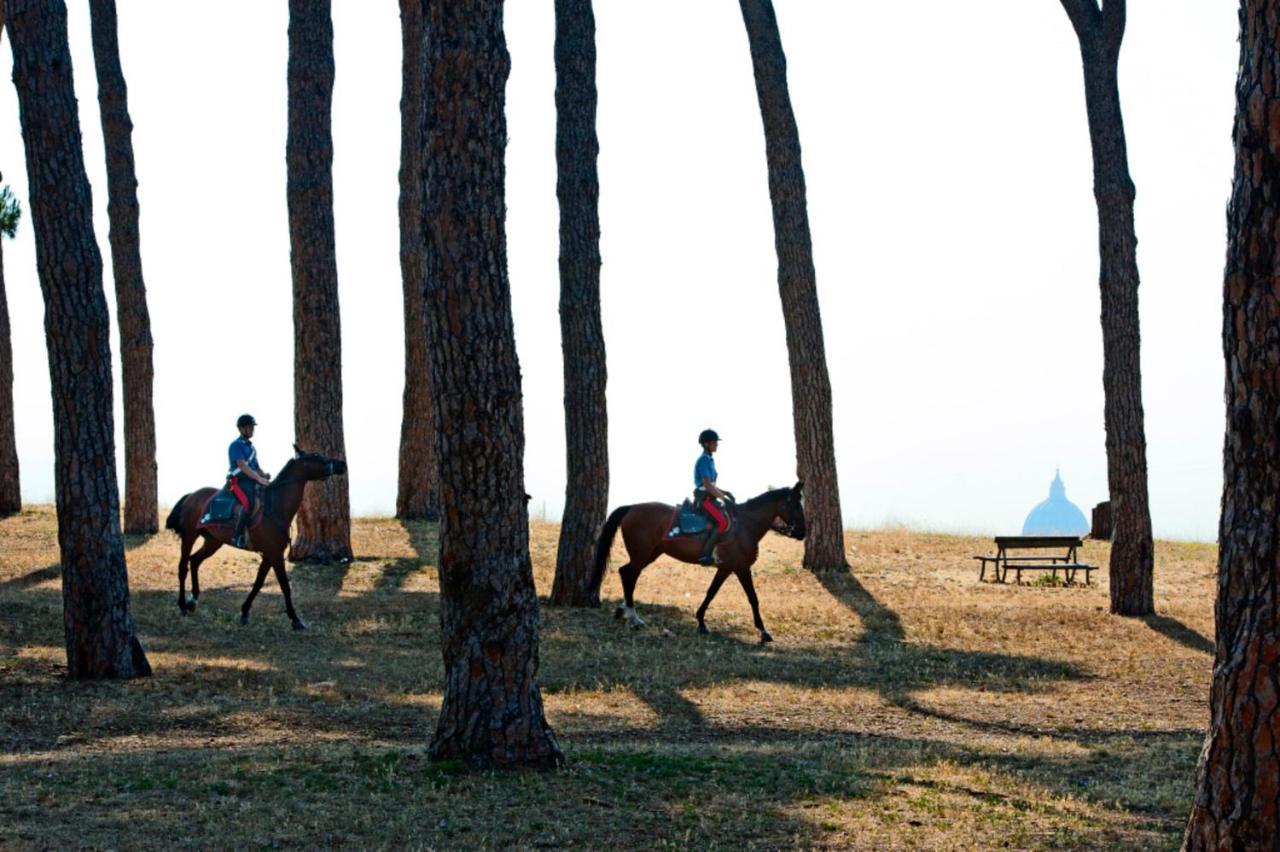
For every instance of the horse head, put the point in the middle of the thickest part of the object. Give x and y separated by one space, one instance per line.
789 520
314 466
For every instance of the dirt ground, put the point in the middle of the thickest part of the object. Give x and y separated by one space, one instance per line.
904 705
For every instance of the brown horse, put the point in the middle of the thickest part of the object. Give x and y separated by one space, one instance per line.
269 535
644 532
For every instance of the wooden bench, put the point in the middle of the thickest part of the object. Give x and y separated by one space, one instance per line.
1065 560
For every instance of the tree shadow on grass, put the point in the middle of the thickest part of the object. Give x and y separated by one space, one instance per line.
394 574
424 538
133 541
33 578
343 685
324 578
1180 633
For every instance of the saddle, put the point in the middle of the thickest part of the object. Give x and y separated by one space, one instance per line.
223 511
689 519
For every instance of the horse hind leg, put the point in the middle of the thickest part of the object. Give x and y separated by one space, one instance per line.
206 550
629 574
184 562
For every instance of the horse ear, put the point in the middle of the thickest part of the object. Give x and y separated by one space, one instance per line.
298 450
799 484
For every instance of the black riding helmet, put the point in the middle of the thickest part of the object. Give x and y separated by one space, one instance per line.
246 420
708 435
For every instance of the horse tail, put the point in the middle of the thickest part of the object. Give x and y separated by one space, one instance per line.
604 544
174 521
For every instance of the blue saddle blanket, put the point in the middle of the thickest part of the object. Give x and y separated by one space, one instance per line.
689 521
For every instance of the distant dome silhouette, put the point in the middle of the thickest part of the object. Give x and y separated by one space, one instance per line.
1057 515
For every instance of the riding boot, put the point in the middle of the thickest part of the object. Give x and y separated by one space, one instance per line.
238 538
708 556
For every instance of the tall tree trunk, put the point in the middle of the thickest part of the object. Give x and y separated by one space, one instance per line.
1237 803
100 636
418 495
798 287
141 504
586 414
492 711
1100 34
10 490
324 521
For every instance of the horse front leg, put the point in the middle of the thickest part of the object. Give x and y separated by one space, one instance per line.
282 577
253 593
722 574
744 577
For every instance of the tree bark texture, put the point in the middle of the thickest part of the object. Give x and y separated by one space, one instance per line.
10 490
100 636
324 521
586 414
418 495
141 503
492 713
798 287
1100 34
1237 802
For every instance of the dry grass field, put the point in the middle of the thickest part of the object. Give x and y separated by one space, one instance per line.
902 706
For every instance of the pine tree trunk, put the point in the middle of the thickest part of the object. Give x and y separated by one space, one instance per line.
1237 803
100 636
1132 554
141 503
10 490
418 495
492 710
324 521
586 415
798 287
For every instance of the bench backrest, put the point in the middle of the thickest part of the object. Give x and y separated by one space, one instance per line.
1015 541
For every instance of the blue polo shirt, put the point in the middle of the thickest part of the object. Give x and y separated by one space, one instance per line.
705 468
242 449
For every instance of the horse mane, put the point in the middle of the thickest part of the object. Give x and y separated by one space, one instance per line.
282 476
766 497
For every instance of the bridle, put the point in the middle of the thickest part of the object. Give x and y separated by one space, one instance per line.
784 527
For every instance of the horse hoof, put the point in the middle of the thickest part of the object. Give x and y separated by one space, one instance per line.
702 629
244 618
617 613
299 624
191 606
184 610
765 638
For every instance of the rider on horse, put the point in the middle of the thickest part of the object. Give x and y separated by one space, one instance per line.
708 496
244 475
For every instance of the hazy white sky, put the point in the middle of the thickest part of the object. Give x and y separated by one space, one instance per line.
950 195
